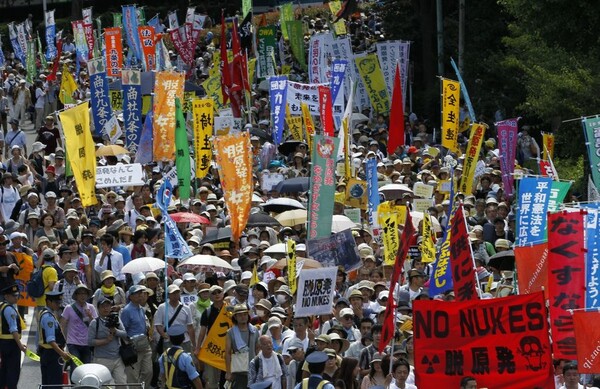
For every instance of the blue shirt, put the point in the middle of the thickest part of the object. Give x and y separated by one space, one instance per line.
49 325
133 319
124 252
316 378
11 316
185 363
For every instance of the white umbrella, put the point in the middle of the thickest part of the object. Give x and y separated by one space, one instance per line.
418 216
395 191
341 223
143 265
206 262
257 199
278 248
292 217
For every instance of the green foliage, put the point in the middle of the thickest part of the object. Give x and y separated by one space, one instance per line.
572 169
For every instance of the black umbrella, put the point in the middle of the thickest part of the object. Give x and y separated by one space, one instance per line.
261 219
504 260
260 133
286 148
282 204
217 235
293 185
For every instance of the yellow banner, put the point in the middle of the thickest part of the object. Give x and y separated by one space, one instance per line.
294 124
356 193
428 244
212 86
168 86
390 216
309 125
234 158
203 111
471 158
251 69
213 349
254 280
372 77
450 114
548 141
340 27
25 263
80 151
291 266
116 101
67 86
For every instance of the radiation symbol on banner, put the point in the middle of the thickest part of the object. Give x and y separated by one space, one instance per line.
430 362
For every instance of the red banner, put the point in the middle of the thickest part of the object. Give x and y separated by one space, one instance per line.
461 259
147 41
326 110
566 278
88 29
547 170
587 333
189 33
396 137
114 51
179 39
503 342
532 268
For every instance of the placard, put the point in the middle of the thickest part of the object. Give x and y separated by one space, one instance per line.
423 190
316 288
119 175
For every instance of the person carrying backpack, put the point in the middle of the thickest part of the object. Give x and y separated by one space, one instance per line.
268 365
177 368
44 279
8 264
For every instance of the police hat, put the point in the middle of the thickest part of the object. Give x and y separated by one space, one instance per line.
176 330
260 385
11 289
53 295
317 357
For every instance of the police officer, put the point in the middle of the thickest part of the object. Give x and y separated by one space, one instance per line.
316 365
51 340
177 368
10 338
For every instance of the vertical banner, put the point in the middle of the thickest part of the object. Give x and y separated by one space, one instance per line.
472 156
548 145
338 72
372 77
182 153
130 27
213 349
389 225
51 50
319 57
246 7
322 186
180 41
558 192
461 259
146 36
266 52
234 158
80 41
173 22
14 42
339 27
450 114
391 54
441 281
294 125
534 196
308 125
101 109
372 190
316 288
175 245
532 267
22 37
291 266
503 342
296 34
114 51
144 153
286 15
566 278
507 146
591 129
88 31
592 257
278 97
30 62
587 333
396 136
80 151
131 82
203 111
427 246
326 110
168 85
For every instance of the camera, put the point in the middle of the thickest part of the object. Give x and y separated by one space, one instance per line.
112 321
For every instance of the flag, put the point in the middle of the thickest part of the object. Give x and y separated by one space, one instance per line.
225 75
239 74
245 31
182 153
450 114
348 8
465 94
168 85
67 86
593 194
144 150
396 137
80 150
254 279
203 113
175 245
291 266
427 247
461 259
326 108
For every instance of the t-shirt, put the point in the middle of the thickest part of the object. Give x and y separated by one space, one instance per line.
77 328
49 275
48 137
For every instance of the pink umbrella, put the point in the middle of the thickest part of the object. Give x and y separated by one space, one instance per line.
188 217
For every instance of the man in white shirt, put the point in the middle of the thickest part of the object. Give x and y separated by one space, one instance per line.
109 259
9 196
175 316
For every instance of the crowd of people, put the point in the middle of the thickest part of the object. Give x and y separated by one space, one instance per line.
90 307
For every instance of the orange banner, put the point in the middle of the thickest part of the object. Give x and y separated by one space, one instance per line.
114 51
25 263
234 159
532 268
168 85
147 41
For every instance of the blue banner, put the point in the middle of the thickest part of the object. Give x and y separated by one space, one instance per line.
592 257
154 22
278 95
144 153
175 245
2 59
51 50
101 108
534 197
372 189
463 92
17 49
131 83
130 26
338 71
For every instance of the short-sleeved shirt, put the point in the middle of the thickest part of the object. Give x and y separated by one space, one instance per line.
209 316
184 317
49 325
134 319
77 328
12 316
184 363
49 275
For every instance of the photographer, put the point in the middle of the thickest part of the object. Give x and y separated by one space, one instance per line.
103 334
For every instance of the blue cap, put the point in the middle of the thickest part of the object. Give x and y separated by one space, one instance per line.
176 330
317 357
260 385
136 288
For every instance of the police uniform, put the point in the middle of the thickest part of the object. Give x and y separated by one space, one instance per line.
177 365
50 331
315 381
10 353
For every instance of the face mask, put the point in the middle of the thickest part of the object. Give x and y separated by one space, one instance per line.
281 299
260 313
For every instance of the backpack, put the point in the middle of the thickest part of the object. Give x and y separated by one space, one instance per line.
257 362
35 286
11 88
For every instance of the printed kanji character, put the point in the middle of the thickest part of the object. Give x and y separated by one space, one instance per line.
455 362
506 360
481 360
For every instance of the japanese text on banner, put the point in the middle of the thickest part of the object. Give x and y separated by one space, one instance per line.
168 85
450 114
131 81
203 111
370 73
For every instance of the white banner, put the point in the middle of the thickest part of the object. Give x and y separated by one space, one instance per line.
87 15
224 125
119 175
319 58
22 36
389 53
298 93
316 288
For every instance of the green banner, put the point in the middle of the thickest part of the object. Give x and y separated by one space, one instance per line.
590 127
322 186
266 52
246 7
43 61
286 15
30 61
117 19
295 29
182 153
558 192
141 15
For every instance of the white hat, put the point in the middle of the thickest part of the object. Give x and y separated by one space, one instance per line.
246 275
383 294
189 277
229 284
346 311
264 260
37 147
235 264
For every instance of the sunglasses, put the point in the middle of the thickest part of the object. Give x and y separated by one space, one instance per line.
216 292
348 317
331 357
